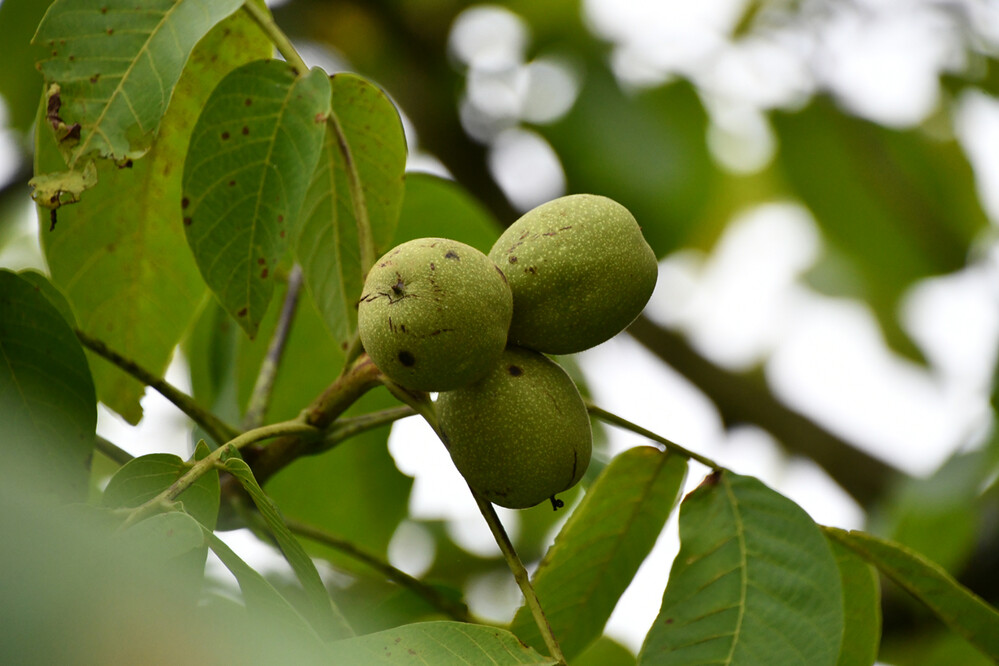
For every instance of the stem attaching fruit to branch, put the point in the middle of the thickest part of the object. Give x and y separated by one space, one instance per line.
420 402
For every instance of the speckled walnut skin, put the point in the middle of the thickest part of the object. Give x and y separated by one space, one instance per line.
434 314
519 435
580 271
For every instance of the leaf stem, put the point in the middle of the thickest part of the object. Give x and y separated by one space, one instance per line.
421 403
217 429
112 451
520 575
453 609
345 428
260 399
165 499
263 18
365 239
614 419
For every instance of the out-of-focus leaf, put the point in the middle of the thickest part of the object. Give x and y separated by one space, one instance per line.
450 643
20 82
861 608
145 477
939 516
120 257
324 615
47 403
599 550
116 67
646 150
754 582
436 207
359 177
161 538
252 152
354 491
955 605
265 603
931 648
898 205
50 292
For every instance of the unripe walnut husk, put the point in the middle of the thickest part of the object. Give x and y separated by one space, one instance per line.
580 271
521 434
434 314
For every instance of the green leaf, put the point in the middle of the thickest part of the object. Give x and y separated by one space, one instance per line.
358 183
861 608
161 538
273 612
955 605
754 582
605 652
47 402
251 155
325 617
120 257
436 207
20 82
897 205
115 68
599 550
939 516
449 643
143 478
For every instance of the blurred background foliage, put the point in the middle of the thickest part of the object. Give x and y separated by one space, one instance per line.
875 121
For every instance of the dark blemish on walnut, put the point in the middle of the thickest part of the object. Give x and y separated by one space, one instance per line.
433 266
512 259
515 370
531 269
406 359
451 254
502 274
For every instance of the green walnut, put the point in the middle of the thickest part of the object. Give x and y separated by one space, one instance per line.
434 314
519 435
580 271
